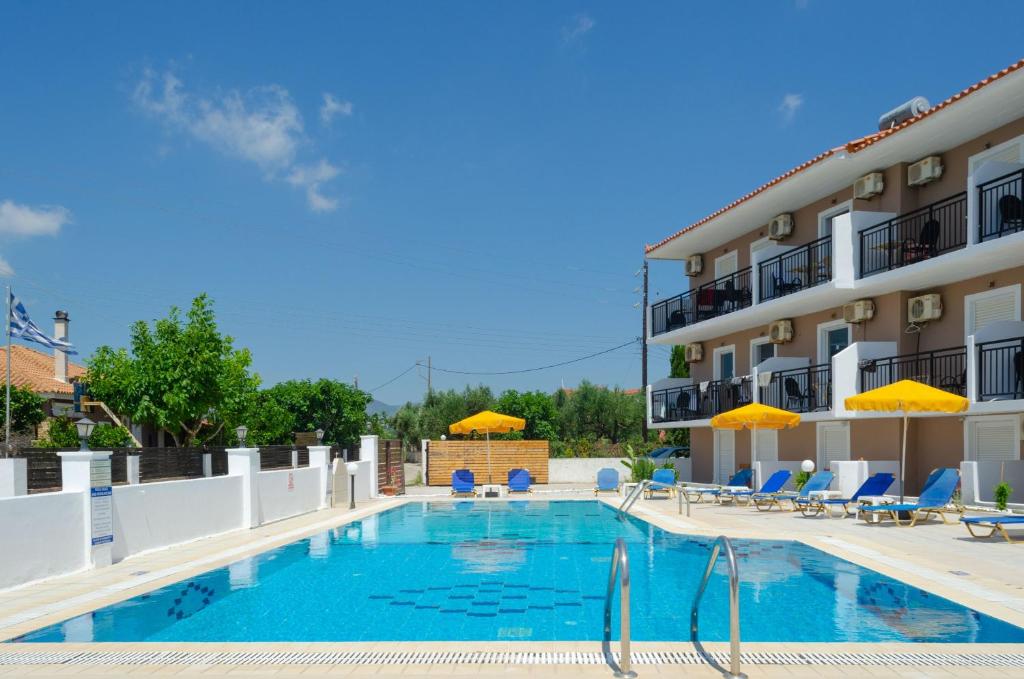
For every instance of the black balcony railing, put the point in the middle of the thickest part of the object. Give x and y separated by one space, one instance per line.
800 390
803 267
1000 210
720 296
915 236
680 404
1000 373
943 369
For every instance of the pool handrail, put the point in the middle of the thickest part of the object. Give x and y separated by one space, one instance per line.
619 567
722 543
633 496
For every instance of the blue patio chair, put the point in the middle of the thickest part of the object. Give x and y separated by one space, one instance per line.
740 478
937 493
770 487
874 486
994 524
519 481
607 481
820 481
662 481
463 482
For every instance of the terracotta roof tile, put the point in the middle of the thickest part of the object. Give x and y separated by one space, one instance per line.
852 146
34 369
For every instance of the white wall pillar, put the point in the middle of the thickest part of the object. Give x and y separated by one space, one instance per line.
245 462
969 487
207 465
88 473
320 458
368 453
132 462
13 476
972 369
425 452
849 475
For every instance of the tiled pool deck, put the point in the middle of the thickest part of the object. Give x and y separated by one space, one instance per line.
985 575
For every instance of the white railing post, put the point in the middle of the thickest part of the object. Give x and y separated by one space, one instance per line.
245 462
295 458
88 473
971 366
320 458
425 450
207 465
13 476
133 465
368 453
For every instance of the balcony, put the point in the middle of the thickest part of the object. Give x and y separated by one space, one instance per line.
915 236
800 390
804 267
717 298
1000 374
681 404
1000 211
944 369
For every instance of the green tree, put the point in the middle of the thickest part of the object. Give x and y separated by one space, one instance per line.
26 409
336 407
536 407
106 436
678 367
62 433
406 422
442 408
182 376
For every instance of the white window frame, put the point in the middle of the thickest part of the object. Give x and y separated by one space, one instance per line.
754 343
716 368
819 438
972 189
733 255
823 329
971 300
970 454
834 211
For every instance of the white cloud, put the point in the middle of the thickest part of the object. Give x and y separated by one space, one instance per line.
791 103
333 107
580 26
23 220
6 270
311 178
262 126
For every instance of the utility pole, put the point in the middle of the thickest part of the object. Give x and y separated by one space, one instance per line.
429 385
643 349
355 381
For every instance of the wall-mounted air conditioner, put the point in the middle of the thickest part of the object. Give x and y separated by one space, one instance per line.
924 308
869 186
859 311
694 352
694 265
924 171
780 332
780 227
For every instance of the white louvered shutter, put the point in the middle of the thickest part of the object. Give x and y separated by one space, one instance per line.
725 455
833 444
995 440
1001 307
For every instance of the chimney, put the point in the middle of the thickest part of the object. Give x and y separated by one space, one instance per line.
60 359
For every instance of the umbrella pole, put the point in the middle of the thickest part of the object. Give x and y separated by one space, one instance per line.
903 456
488 435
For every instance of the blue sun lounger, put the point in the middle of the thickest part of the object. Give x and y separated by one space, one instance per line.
463 482
994 524
607 481
662 481
937 493
820 481
519 481
740 478
875 485
770 487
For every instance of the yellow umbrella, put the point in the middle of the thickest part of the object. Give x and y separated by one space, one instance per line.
907 396
487 422
755 416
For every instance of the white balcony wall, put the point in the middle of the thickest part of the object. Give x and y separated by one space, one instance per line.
846 371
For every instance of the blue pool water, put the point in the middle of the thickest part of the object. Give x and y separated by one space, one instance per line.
528 571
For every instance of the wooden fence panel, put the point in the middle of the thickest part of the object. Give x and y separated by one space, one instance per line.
390 465
444 457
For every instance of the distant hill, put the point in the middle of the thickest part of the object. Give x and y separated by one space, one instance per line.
378 407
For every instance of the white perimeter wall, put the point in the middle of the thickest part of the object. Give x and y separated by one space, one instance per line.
155 515
279 499
583 469
41 536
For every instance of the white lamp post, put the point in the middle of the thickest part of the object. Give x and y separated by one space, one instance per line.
352 468
240 431
807 466
85 427
319 436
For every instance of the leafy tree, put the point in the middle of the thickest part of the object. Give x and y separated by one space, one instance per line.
26 409
62 433
442 408
536 407
106 436
406 422
182 376
678 367
269 422
336 407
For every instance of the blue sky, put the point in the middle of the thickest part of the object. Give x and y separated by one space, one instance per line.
359 186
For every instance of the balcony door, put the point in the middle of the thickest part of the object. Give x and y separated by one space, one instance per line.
727 264
833 337
725 455
725 362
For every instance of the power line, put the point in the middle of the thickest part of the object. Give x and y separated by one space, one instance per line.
543 367
393 379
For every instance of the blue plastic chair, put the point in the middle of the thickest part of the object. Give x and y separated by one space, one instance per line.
662 481
769 488
937 493
463 482
875 485
741 478
518 481
820 481
607 481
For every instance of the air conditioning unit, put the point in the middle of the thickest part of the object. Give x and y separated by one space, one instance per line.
924 171
869 186
780 227
694 265
694 352
780 332
924 308
859 311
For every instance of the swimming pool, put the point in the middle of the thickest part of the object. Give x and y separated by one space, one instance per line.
523 571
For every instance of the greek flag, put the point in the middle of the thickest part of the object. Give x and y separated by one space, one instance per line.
22 326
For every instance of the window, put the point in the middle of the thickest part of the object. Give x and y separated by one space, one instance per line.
727 264
993 439
1001 304
760 351
833 443
833 337
725 362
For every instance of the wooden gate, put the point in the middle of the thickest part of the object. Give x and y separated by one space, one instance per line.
444 457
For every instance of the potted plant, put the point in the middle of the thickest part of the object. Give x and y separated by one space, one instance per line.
1002 494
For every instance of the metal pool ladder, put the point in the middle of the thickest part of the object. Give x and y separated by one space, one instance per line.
620 568
721 544
635 494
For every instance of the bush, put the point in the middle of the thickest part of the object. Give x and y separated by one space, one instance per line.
62 433
801 479
1002 493
106 436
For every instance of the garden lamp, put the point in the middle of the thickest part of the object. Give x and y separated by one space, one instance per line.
807 466
319 436
240 431
352 468
85 427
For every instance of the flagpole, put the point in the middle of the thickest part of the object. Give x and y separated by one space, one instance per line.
7 400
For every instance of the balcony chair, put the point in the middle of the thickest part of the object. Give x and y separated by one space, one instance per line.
793 393
784 288
955 385
676 319
926 246
683 405
708 303
735 297
1011 214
